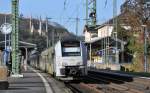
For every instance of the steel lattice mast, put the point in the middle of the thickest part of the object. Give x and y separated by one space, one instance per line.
14 37
91 19
115 32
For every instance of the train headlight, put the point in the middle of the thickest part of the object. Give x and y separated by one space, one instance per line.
79 63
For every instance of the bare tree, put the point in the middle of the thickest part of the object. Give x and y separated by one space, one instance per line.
136 14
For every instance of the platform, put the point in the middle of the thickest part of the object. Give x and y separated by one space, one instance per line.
34 81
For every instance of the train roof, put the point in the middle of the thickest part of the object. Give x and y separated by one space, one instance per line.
67 39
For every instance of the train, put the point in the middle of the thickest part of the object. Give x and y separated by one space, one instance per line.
66 60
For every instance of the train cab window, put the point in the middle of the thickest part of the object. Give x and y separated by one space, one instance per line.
71 49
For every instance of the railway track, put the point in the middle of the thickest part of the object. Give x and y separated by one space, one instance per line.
124 84
73 87
97 82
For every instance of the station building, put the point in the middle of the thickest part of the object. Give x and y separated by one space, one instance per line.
105 50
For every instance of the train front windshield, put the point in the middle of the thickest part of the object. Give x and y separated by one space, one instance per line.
71 48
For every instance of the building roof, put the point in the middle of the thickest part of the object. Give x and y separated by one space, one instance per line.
69 38
22 44
99 39
90 29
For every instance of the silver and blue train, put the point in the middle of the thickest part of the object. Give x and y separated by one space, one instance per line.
67 60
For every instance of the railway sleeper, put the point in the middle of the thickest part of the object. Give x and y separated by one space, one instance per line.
137 85
92 88
118 87
146 84
124 88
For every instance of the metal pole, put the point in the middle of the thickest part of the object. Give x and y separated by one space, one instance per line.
90 54
5 57
86 12
9 48
91 13
53 37
47 32
145 48
15 28
115 26
90 51
9 40
122 54
107 45
5 41
26 54
77 22
5 45
94 10
25 62
104 48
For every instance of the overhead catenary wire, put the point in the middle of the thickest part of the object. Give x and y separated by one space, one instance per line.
65 4
69 18
64 8
77 18
105 3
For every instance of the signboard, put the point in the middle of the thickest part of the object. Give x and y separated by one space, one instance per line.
71 49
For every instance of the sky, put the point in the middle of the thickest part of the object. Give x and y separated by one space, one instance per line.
61 12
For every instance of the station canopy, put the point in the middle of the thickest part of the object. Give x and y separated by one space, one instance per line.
22 44
101 42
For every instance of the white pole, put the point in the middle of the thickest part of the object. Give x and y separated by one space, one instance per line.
25 62
5 45
90 54
5 41
90 51
47 31
5 50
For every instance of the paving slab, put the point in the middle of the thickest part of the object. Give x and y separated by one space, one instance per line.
31 82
